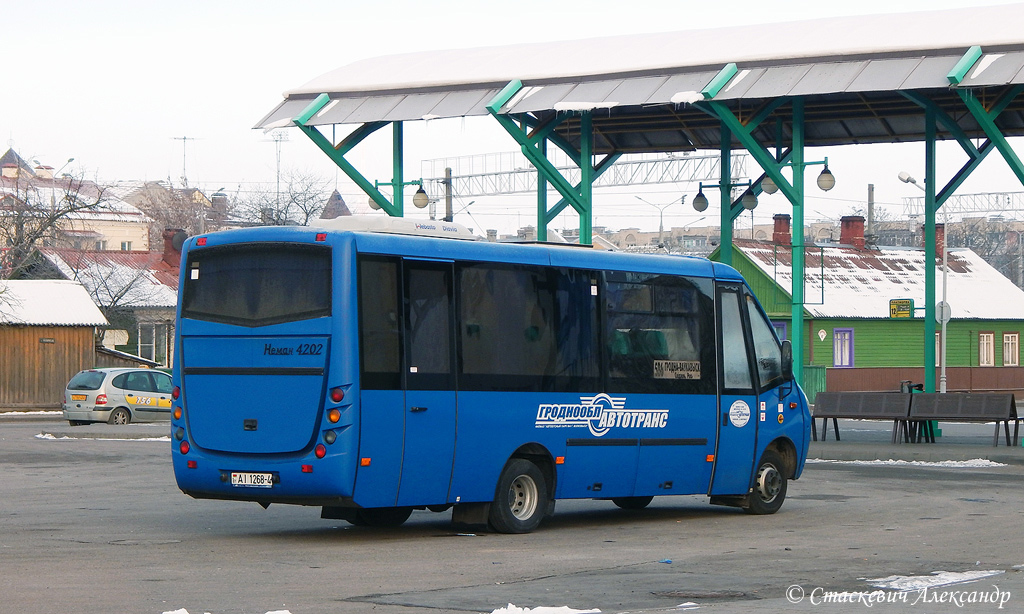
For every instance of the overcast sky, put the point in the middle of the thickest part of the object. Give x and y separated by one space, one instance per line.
144 90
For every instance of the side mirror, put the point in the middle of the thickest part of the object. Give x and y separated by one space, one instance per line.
787 360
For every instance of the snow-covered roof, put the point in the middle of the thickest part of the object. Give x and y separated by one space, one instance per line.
859 283
47 303
42 192
865 60
127 279
819 38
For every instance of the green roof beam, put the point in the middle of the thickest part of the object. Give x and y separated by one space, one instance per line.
337 153
969 59
720 81
986 120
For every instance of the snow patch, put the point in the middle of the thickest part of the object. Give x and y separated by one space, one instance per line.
689 97
52 437
938 578
512 609
184 611
976 463
16 414
583 106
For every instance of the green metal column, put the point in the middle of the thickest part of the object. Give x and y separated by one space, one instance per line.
542 197
929 249
397 161
586 178
797 336
725 195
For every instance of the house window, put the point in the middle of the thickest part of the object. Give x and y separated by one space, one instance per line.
842 347
153 342
101 245
1011 349
780 330
126 246
986 349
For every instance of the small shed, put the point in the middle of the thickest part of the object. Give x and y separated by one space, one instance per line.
47 334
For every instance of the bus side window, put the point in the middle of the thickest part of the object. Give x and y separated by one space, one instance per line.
735 364
658 334
379 350
767 352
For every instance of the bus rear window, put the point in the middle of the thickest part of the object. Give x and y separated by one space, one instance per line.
258 284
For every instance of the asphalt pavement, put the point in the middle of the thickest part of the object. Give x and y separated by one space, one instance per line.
859 440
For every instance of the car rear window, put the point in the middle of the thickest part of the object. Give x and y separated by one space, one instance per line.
86 380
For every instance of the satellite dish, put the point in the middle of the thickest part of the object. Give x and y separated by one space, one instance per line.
178 240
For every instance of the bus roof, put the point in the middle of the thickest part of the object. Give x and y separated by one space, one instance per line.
397 225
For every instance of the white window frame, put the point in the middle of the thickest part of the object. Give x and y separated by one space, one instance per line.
986 349
1011 349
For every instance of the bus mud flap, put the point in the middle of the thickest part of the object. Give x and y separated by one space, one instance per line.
471 513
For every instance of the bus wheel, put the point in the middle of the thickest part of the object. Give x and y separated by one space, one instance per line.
520 500
769 485
382 516
632 503
119 416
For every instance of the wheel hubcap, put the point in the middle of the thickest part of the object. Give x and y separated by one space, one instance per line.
769 483
522 497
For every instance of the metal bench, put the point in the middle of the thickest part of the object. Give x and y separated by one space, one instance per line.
893 406
926 408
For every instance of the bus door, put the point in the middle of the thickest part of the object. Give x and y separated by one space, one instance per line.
737 419
429 445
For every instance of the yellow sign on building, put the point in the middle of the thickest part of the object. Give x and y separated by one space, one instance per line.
901 308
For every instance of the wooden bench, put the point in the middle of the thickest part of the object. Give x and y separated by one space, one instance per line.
893 406
926 408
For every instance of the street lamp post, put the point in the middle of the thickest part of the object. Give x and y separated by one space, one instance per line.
944 311
661 217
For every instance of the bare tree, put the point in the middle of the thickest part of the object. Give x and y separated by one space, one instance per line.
33 211
301 198
168 207
118 290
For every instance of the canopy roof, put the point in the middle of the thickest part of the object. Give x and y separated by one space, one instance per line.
851 72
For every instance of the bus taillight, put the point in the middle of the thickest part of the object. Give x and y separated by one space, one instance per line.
184 447
175 393
337 395
320 451
334 415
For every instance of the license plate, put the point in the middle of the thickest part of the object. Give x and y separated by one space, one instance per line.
79 397
252 480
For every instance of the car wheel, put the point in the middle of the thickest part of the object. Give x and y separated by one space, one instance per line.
78 422
520 500
769 485
119 416
632 503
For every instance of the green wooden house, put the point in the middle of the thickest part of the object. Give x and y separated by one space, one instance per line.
852 293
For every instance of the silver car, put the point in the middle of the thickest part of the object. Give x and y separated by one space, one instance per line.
117 396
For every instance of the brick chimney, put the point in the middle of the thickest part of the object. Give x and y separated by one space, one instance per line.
851 231
781 235
173 239
940 239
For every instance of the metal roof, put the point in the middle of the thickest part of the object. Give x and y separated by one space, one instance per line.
847 282
850 71
47 303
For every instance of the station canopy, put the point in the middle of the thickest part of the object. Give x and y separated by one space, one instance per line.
853 73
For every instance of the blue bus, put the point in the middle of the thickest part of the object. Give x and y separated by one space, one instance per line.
376 366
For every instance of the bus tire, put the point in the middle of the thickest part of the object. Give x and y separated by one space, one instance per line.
632 503
520 501
382 516
120 416
769 485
